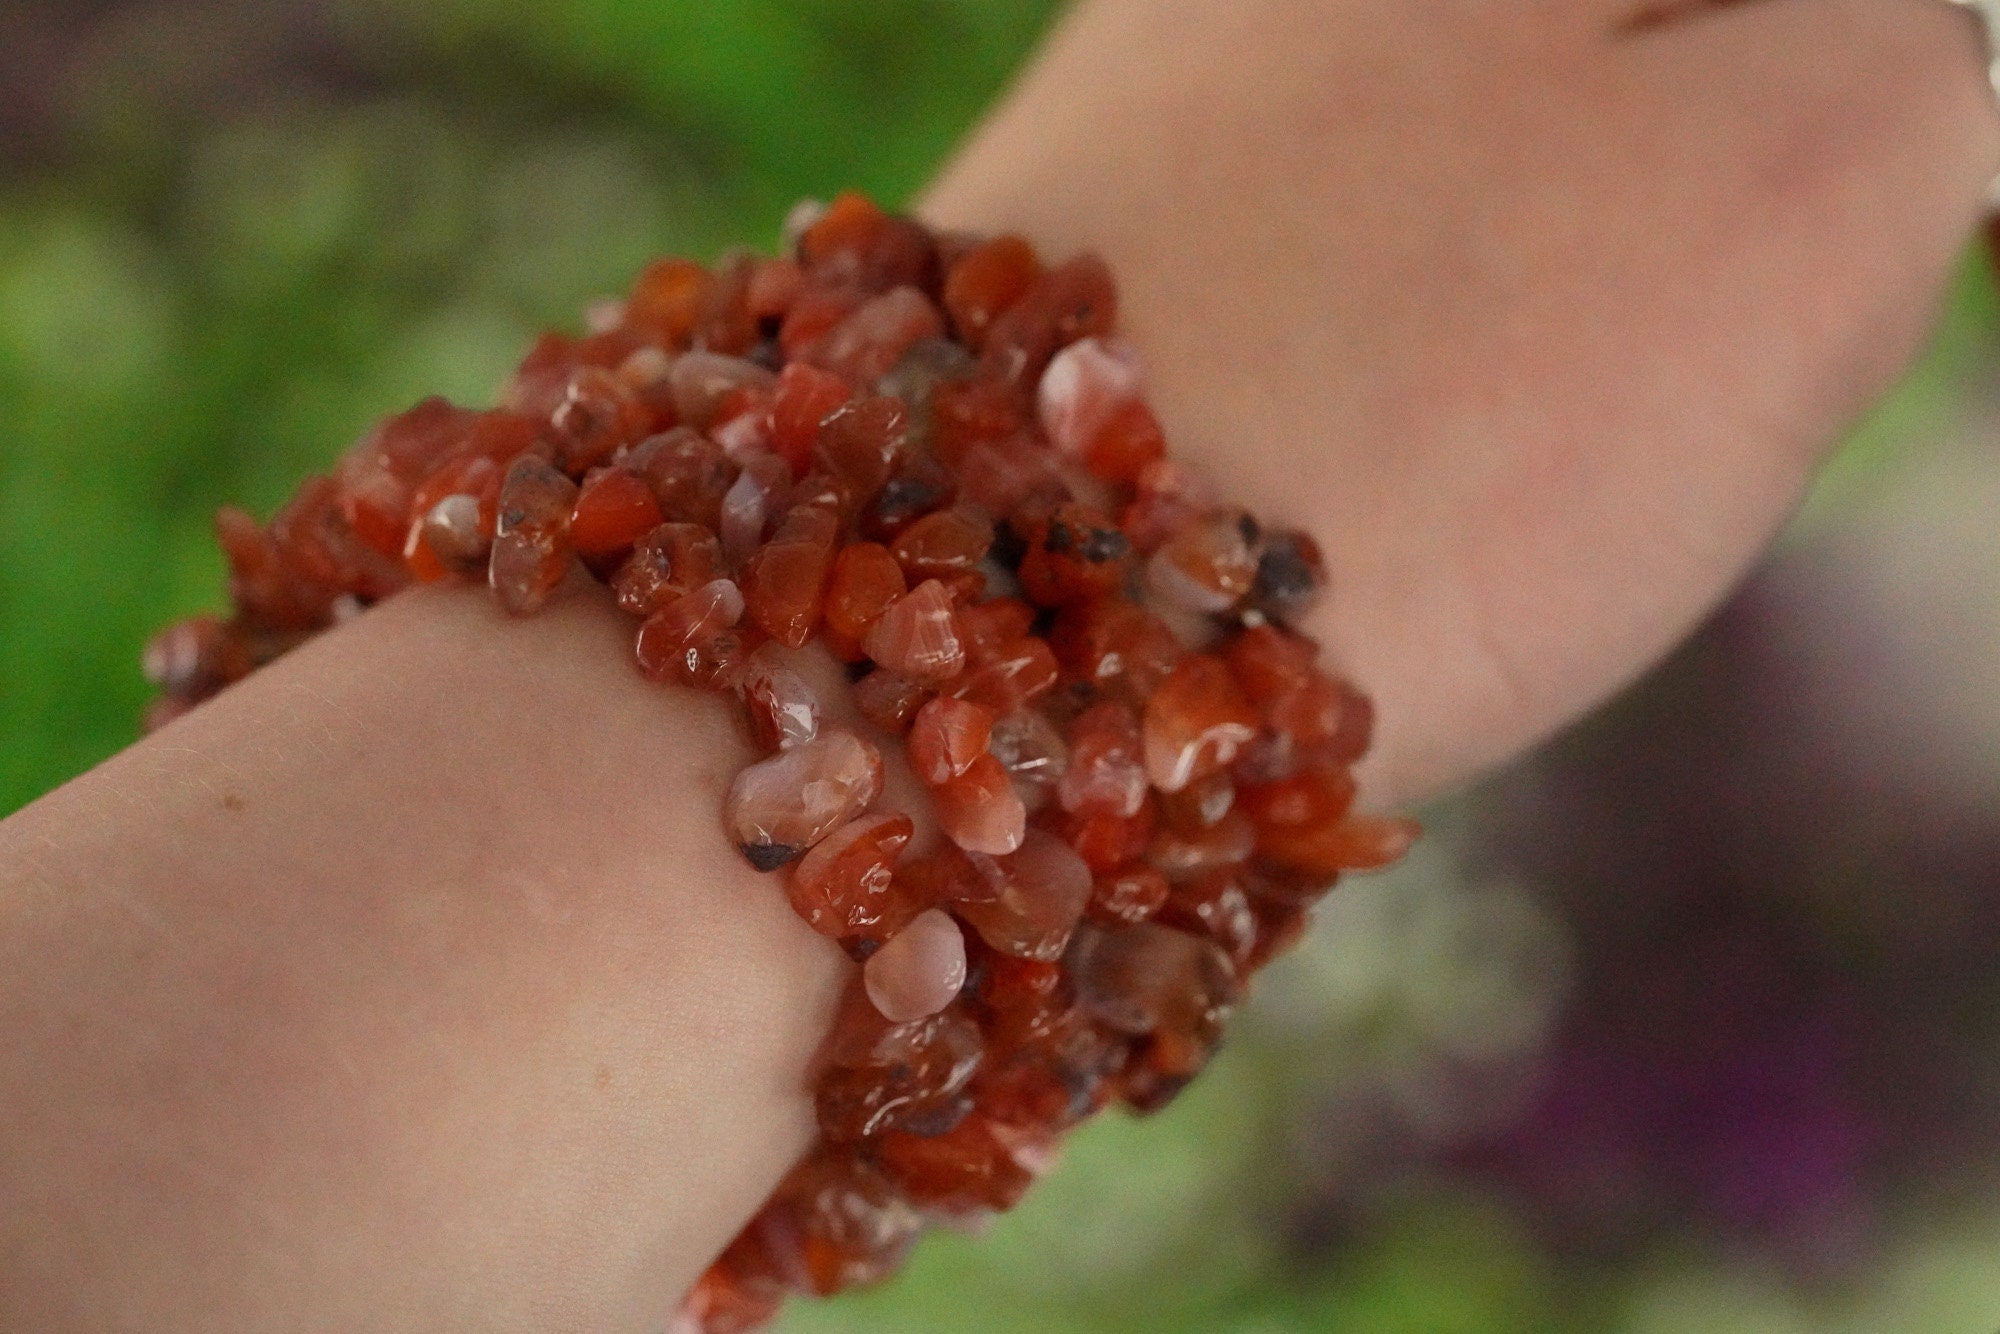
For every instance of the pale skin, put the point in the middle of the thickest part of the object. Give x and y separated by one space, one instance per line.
410 985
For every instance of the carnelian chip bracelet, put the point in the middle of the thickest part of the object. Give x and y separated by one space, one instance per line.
930 454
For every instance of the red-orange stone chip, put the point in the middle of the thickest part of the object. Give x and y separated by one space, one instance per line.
948 542
667 300
838 1223
861 442
980 810
1268 662
978 1165
614 509
1075 300
889 700
855 240
1127 444
673 644
687 472
917 636
920 970
724 1302
843 887
1057 1082
874 337
946 737
1304 823
376 476
709 388
909 1079
993 626
778 808
1075 555
595 416
1143 978
1039 896
1127 897
451 537
782 707
866 580
1293 815
261 581
1106 772
669 562
806 397
1106 840
987 282
974 411
774 285
726 324
785 582
1217 906
1083 388
531 547
1195 723
1115 646
1010 677
1031 749
818 310
1209 566
1184 854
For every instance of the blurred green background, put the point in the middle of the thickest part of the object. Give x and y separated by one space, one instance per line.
1688 1024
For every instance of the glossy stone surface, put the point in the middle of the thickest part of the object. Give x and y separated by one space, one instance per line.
1032 751
845 885
531 546
1127 897
785 581
1106 770
979 809
1210 566
804 398
1142 978
866 580
986 283
779 808
1084 387
946 736
668 562
910 1079
690 640
862 348
920 970
751 504
614 509
782 708
917 635
1039 895
1195 723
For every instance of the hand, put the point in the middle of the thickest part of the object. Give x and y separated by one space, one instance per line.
1539 314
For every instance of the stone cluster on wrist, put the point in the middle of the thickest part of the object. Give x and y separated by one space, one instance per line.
931 455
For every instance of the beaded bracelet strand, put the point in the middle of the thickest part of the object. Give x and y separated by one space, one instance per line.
931 454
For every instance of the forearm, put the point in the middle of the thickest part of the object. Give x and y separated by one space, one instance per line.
409 984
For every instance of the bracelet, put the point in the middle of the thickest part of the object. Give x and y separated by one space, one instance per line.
931 454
